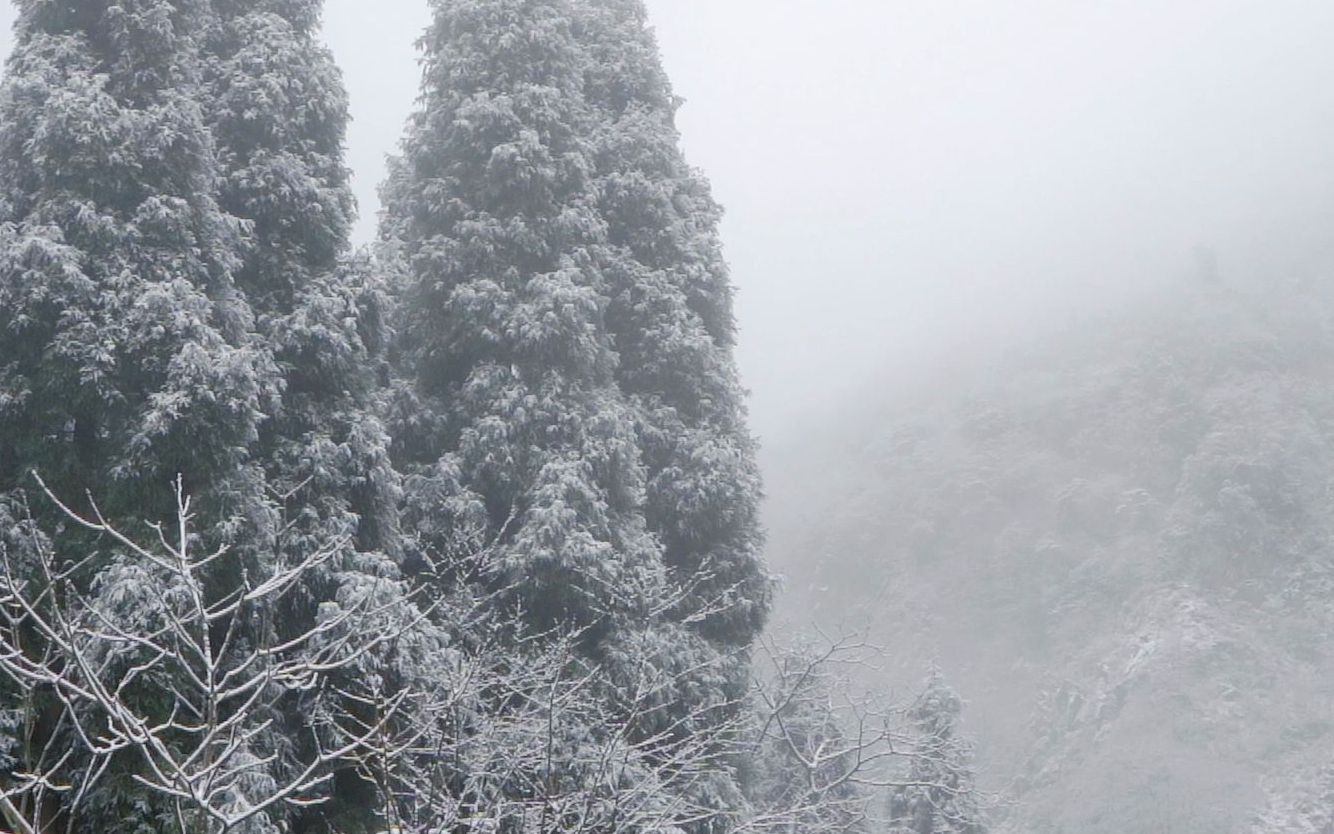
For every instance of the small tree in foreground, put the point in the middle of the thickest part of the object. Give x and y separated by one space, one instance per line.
939 797
160 672
523 745
829 757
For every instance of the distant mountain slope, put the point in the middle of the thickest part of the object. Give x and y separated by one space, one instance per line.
1117 543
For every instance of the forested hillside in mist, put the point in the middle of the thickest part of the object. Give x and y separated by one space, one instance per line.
1115 541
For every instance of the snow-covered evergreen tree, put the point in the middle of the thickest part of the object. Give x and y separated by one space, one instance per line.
177 296
279 113
670 314
513 422
938 796
129 353
534 411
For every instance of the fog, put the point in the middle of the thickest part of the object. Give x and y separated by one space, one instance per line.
905 177
901 175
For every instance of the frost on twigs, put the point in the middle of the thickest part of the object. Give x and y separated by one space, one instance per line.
168 664
833 755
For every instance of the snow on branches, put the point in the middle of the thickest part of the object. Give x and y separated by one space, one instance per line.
170 657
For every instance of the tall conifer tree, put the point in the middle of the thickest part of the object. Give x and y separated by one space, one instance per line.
129 353
567 384
938 796
670 314
279 113
177 296
509 424
514 424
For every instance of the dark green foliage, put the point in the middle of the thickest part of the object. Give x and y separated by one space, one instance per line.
279 113
502 333
177 296
564 348
669 310
128 352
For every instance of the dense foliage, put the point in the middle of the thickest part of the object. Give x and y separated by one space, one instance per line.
669 311
129 353
176 300
565 344
278 113
938 795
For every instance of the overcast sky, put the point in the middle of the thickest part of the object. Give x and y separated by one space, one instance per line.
905 174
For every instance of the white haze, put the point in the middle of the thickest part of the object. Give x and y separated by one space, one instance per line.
907 177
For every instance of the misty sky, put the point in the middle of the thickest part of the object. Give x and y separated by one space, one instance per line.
901 175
